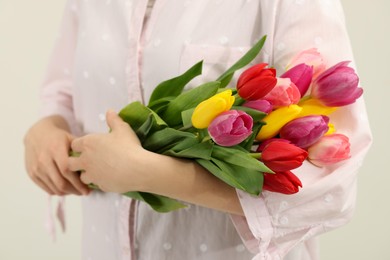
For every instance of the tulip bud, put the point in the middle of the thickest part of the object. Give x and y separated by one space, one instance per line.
310 57
329 149
301 75
305 131
207 110
282 182
337 86
260 105
275 120
285 93
255 82
281 156
312 106
231 128
263 144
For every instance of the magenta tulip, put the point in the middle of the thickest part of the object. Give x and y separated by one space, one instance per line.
337 86
282 182
301 75
329 149
231 128
260 105
305 131
285 93
255 82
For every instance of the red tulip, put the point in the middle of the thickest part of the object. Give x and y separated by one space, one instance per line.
255 82
281 156
282 182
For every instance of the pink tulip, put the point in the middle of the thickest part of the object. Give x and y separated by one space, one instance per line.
260 105
337 86
255 82
329 149
301 75
305 131
231 128
310 57
285 93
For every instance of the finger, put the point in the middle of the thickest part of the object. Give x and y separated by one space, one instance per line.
43 186
113 120
62 161
77 145
75 164
61 185
84 178
74 179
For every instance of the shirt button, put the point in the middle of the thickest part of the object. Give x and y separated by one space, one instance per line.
102 117
283 220
283 205
328 198
167 246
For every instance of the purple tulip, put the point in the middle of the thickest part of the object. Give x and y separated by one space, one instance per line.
231 128
337 86
260 105
301 75
305 131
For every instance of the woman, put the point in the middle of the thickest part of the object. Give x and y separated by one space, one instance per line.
116 51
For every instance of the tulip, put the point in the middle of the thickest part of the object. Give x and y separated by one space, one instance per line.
281 156
231 128
313 106
337 86
285 93
301 75
329 149
263 144
310 57
210 108
305 131
282 182
260 105
275 120
255 82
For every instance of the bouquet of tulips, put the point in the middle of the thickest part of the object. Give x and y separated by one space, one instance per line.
253 134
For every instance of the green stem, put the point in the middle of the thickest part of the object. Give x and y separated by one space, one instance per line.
256 155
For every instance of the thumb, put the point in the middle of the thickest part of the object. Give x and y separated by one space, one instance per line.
113 120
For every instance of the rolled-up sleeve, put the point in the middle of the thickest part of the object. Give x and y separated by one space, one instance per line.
275 223
56 90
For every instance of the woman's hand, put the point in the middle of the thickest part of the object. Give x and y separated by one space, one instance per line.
47 145
112 161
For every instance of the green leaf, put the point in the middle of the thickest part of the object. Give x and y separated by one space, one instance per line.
226 77
187 100
239 158
255 114
145 128
135 114
248 143
160 105
164 139
200 150
173 87
250 181
159 203
186 116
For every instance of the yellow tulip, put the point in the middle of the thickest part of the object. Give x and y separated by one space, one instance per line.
331 129
209 109
276 120
314 107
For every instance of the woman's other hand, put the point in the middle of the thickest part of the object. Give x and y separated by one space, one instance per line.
47 145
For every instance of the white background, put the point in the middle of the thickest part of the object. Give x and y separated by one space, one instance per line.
27 32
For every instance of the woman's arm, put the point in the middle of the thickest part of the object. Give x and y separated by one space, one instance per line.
117 162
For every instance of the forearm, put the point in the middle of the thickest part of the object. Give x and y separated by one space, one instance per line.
187 181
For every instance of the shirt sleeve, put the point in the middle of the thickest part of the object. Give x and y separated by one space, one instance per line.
56 90
275 223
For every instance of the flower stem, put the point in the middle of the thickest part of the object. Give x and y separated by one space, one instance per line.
256 155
